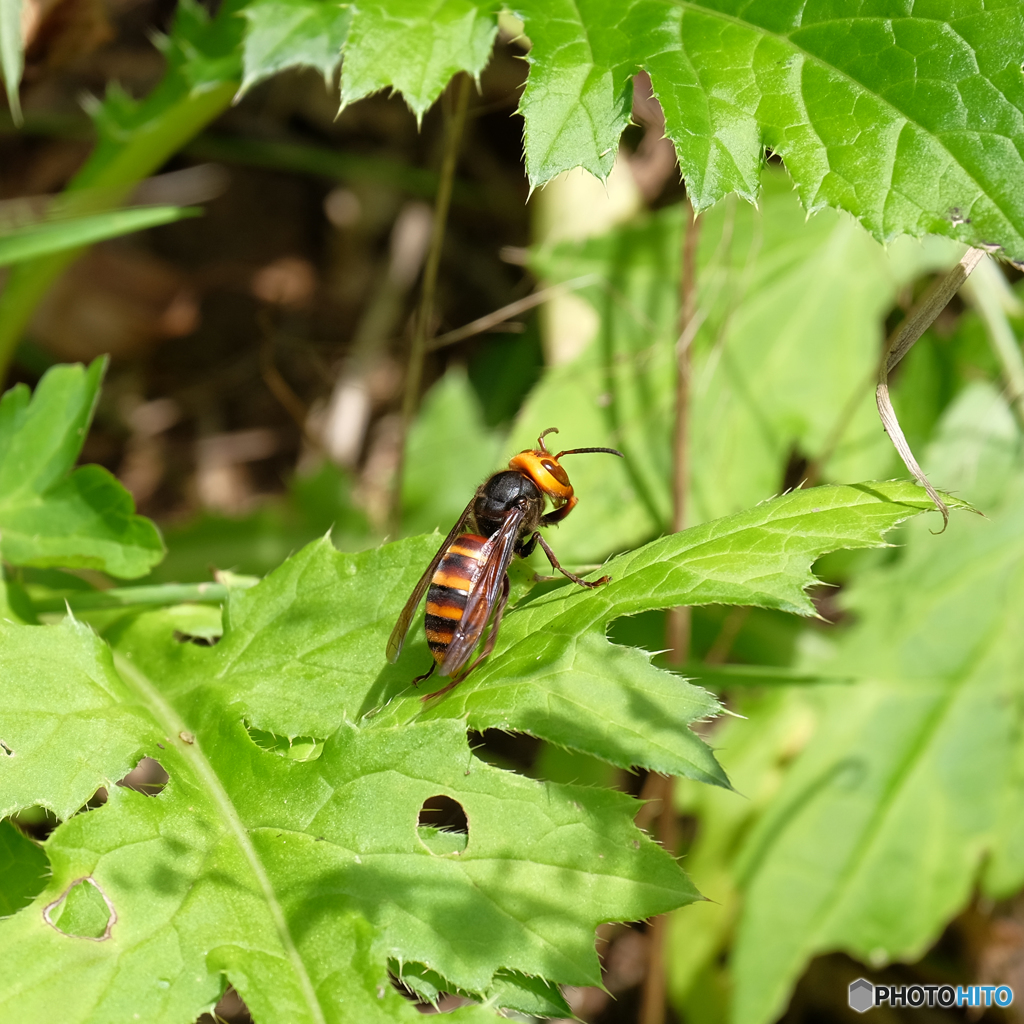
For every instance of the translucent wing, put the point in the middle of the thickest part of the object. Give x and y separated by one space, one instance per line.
397 637
481 598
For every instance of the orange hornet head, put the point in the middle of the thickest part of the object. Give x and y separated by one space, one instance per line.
544 469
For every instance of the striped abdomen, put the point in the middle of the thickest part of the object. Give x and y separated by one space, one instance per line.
451 583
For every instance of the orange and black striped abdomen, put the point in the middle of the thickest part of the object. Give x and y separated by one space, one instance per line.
450 585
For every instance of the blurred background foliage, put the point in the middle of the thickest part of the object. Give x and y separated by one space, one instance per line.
252 405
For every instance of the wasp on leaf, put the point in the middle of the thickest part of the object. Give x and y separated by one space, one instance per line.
468 578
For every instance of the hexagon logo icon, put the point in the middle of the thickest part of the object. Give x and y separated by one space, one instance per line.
862 995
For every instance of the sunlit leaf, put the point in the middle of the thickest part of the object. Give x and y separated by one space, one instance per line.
415 47
50 514
555 675
297 879
913 122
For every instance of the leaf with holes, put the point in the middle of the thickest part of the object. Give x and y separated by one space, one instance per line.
288 852
49 514
296 872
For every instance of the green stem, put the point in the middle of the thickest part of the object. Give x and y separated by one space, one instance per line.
159 596
112 169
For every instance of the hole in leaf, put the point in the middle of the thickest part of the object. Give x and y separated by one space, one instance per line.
35 822
511 750
23 867
82 911
196 624
147 777
796 469
443 826
293 748
194 638
229 1010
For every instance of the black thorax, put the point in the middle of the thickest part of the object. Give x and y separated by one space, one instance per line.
502 493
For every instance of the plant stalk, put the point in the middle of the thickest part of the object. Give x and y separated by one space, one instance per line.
158 596
678 621
455 123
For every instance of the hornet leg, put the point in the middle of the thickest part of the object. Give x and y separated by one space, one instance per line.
565 572
426 675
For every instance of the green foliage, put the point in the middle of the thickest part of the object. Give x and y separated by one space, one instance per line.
920 762
136 137
880 116
911 123
50 515
285 855
898 805
43 239
303 839
285 852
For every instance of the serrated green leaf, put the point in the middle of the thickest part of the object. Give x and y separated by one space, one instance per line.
534 996
293 33
414 47
509 990
553 674
906 799
913 122
43 239
296 879
12 57
49 514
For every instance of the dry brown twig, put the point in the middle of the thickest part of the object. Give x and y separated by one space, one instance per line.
899 343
